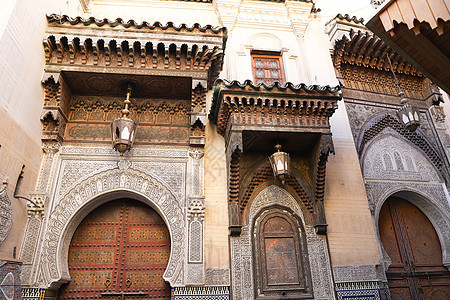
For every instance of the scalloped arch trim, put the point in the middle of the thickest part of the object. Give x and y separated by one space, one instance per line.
72 207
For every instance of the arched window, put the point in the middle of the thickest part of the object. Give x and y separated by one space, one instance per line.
281 257
267 67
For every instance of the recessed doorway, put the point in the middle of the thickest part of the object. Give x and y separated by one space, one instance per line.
119 251
410 240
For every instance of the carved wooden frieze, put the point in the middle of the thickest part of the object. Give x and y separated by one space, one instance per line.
361 60
198 115
284 107
363 48
163 63
159 121
54 113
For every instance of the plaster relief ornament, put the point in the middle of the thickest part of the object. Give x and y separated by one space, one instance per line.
5 212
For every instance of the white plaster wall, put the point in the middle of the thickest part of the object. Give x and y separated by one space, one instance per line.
351 234
6 8
177 12
216 198
317 53
22 29
243 40
272 27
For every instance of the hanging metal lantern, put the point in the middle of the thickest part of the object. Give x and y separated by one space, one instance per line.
123 129
409 116
280 163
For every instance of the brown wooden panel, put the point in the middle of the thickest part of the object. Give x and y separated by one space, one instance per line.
281 261
413 245
122 246
422 237
280 252
388 237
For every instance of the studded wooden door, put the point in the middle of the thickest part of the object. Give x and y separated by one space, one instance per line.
412 244
119 251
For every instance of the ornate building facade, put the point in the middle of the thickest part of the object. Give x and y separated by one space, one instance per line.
193 210
405 173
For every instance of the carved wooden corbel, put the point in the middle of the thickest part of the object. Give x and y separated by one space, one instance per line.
53 118
325 148
233 202
36 208
198 114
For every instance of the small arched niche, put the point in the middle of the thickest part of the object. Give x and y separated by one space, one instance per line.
280 255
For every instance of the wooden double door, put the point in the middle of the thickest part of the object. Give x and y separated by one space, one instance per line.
411 242
119 251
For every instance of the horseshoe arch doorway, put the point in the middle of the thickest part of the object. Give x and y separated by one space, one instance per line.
410 240
119 251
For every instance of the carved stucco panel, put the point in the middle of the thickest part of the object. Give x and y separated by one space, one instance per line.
218 277
357 273
68 211
159 152
389 156
195 273
173 174
319 262
72 170
28 250
5 213
49 161
359 114
241 249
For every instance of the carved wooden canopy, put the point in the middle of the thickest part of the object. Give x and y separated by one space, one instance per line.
144 48
420 31
253 118
362 48
275 107
89 63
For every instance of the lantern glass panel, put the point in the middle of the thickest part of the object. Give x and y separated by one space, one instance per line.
279 162
123 131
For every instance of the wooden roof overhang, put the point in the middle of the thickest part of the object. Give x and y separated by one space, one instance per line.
275 107
105 46
362 48
91 57
418 30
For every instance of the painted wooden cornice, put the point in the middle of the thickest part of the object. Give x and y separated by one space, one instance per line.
348 18
77 44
